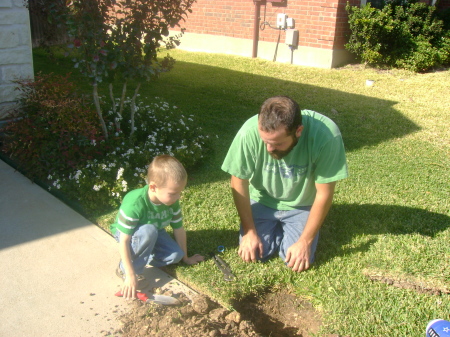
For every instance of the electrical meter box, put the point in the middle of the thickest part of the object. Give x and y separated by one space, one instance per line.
292 37
281 20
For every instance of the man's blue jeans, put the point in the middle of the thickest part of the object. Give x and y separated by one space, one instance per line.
152 246
278 230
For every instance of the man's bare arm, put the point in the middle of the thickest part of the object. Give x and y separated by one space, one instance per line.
298 255
251 247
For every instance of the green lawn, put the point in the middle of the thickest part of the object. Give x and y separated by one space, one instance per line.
390 218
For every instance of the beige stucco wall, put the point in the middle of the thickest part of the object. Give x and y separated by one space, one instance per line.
16 61
305 56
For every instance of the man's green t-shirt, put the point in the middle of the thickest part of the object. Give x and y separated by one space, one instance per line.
288 183
137 209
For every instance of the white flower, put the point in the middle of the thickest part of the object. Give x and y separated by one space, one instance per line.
77 175
124 186
97 187
49 177
119 173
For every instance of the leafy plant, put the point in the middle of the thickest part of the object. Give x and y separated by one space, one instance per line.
102 182
54 129
120 41
406 35
55 137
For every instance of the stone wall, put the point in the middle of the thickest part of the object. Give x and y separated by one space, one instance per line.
16 60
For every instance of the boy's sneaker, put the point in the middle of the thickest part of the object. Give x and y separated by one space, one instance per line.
142 281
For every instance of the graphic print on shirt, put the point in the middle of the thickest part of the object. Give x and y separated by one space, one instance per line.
160 215
286 171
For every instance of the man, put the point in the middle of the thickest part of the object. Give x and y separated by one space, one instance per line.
284 164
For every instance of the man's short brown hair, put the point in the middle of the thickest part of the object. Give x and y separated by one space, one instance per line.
279 111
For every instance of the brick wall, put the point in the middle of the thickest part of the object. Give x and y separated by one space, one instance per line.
16 61
443 4
321 23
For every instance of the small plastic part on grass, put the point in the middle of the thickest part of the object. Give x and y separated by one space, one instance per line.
438 328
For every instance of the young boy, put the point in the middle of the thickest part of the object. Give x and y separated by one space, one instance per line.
139 225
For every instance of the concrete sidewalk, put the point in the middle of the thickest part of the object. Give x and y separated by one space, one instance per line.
57 267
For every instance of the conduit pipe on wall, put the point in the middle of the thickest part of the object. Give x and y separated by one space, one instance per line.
256 27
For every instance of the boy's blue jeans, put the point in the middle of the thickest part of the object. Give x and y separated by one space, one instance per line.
278 230
152 246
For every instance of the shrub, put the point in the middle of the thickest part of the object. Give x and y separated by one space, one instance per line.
53 130
406 35
159 129
57 138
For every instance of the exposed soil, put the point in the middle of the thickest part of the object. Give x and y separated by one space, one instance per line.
412 284
274 314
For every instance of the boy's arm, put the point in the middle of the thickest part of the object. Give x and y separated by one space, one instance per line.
130 282
180 238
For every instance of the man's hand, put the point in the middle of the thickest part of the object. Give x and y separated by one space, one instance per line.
297 257
251 247
194 259
129 287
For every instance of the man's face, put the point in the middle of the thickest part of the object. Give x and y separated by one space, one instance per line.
279 143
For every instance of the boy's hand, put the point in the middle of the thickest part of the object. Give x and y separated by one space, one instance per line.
129 287
194 259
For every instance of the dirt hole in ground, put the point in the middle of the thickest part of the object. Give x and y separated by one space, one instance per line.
272 314
279 314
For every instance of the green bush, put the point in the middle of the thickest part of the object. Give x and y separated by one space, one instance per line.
101 184
56 138
53 130
409 36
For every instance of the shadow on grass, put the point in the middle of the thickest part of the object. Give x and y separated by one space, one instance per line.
221 100
343 224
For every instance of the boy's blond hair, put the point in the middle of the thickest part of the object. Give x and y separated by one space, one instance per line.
164 168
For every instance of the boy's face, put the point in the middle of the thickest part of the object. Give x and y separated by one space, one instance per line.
167 194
